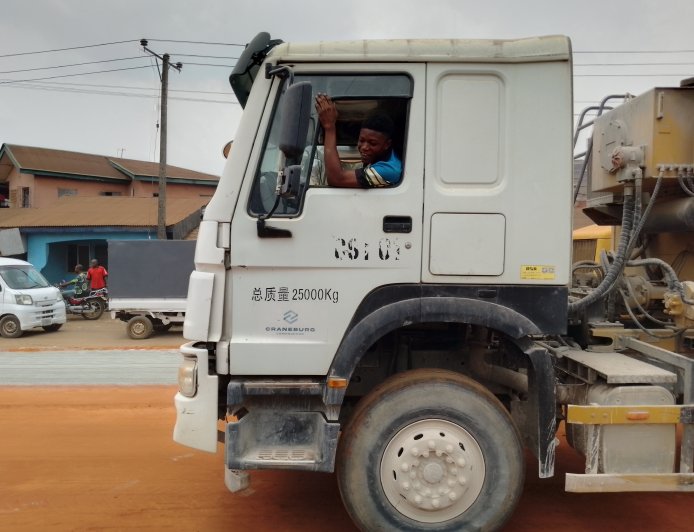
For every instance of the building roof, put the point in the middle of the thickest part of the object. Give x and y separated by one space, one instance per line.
46 161
101 211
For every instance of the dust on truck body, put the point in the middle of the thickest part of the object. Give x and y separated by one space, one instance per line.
416 338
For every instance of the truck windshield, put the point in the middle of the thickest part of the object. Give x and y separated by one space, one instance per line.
22 277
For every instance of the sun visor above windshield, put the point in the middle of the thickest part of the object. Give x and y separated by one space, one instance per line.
247 66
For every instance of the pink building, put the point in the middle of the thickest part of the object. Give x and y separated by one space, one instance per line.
37 177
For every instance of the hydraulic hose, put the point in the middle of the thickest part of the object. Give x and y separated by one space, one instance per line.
610 280
670 275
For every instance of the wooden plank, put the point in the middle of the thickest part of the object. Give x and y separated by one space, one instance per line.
606 483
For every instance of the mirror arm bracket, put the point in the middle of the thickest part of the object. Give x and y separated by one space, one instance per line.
282 72
265 231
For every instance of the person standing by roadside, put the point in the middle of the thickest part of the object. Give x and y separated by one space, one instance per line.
97 275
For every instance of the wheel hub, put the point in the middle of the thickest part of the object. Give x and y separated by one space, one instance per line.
432 470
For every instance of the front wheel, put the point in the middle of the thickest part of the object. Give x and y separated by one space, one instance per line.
430 450
10 327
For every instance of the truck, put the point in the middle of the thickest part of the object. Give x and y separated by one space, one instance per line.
148 283
415 339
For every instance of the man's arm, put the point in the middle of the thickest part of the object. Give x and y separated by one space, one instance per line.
327 114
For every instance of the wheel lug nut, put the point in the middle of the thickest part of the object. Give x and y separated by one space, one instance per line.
405 467
436 503
462 480
414 451
452 496
461 462
406 486
449 448
431 444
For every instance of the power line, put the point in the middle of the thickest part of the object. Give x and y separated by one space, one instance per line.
71 65
209 65
204 56
70 48
71 75
127 87
199 42
123 94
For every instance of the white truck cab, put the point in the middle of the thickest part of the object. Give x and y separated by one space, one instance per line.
413 337
27 300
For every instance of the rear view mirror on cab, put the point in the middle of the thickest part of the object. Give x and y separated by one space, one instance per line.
296 115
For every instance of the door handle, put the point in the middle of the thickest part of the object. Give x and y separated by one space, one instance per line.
397 224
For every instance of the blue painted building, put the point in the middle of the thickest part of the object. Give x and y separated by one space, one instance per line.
75 230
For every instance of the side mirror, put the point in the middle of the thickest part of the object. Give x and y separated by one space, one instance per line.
296 115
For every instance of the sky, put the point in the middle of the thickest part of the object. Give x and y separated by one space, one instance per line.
619 46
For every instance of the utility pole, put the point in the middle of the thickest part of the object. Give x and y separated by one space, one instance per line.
164 77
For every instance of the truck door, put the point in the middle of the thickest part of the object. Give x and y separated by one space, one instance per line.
293 296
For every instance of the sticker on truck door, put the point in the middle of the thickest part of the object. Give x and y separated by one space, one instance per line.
538 272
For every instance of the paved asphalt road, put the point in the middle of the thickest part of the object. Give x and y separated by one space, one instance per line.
111 367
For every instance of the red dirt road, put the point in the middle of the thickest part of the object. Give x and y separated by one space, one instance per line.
102 458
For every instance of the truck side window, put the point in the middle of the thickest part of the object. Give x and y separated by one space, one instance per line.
356 97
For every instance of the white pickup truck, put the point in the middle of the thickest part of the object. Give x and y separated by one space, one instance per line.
148 280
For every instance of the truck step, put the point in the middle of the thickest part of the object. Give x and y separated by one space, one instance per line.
605 483
279 455
613 368
272 439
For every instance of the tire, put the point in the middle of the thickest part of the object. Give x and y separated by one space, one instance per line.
52 328
93 309
140 327
10 327
438 445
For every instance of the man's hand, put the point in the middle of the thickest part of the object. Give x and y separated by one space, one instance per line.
327 112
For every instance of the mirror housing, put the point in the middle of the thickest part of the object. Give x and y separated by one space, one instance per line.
296 116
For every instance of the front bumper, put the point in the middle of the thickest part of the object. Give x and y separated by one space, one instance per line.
34 316
196 417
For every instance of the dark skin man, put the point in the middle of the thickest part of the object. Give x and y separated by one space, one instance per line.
374 146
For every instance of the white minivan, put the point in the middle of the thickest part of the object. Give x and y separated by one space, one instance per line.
27 300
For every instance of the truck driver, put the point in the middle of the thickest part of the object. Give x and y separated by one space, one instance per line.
382 167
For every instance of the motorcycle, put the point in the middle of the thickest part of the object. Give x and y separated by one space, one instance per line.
90 307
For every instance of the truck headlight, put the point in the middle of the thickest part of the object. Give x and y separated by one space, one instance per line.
23 299
188 377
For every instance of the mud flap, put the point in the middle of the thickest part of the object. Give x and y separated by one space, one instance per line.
542 401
